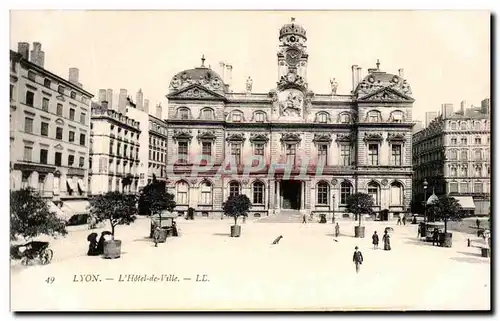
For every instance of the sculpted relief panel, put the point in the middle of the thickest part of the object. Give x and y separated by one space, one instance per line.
291 103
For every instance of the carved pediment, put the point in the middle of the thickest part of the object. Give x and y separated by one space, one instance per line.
59 147
259 138
290 137
386 94
373 137
59 121
322 137
291 80
236 137
344 138
196 91
206 135
396 137
182 134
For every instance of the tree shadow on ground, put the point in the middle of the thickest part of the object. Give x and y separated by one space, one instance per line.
470 254
222 234
419 243
470 260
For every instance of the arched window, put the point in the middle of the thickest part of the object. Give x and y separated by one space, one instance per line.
463 155
374 116
453 171
345 118
396 193
323 193
477 154
206 193
259 117
345 191
453 125
182 192
234 188
322 117
258 192
373 191
183 113
477 125
397 116
207 114
463 125
453 155
236 116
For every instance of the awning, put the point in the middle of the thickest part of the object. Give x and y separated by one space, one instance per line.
466 201
81 185
70 184
75 207
59 212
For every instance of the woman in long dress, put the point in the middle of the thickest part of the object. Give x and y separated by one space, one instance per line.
387 241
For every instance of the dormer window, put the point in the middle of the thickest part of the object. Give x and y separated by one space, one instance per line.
207 114
236 117
260 117
397 117
345 118
322 118
374 116
184 113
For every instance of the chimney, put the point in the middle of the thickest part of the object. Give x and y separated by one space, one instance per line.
354 80
446 110
109 98
73 75
24 49
401 72
463 106
37 55
158 111
139 100
222 66
485 106
102 95
146 106
229 74
358 74
122 101
104 104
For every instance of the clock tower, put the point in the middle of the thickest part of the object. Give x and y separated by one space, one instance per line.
292 56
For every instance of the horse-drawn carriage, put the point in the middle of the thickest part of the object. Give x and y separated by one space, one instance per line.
35 250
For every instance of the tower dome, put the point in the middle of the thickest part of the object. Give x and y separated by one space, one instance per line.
377 79
202 75
292 29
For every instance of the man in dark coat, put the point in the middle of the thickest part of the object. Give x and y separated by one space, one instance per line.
337 229
387 241
357 258
435 237
478 223
375 240
92 238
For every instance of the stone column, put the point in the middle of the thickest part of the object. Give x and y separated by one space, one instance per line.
278 205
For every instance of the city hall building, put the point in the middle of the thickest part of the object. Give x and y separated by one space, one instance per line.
290 149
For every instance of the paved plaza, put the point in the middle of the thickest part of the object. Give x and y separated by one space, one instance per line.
307 270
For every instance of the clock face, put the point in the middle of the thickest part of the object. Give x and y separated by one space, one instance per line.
293 57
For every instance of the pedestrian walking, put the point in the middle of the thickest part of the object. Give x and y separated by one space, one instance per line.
435 237
478 223
404 220
357 258
337 230
387 241
156 235
304 220
419 231
375 240
399 221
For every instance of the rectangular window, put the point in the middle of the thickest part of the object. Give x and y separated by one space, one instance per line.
206 148
71 160
13 65
44 155
373 154
45 104
59 133
11 91
259 150
28 125
478 187
291 151
258 194
71 114
82 139
463 141
453 188
28 153
322 194
182 150
477 141
31 75
72 95
30 97
82 118
58 159
46 82
453 141
396 155
236 153
71 137
59 110
345 154
464 188
60 89
81 161
44 129
322 154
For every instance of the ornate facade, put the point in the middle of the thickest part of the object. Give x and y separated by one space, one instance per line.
290 148
453 155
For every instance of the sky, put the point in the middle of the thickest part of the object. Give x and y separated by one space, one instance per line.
445 54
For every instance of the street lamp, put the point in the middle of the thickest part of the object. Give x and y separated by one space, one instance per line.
333 209
425 200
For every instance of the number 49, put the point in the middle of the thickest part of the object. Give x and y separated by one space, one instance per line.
50 280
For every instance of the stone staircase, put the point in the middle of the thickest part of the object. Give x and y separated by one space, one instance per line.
283 216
